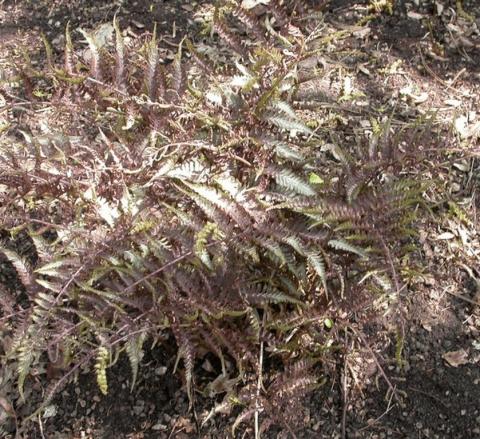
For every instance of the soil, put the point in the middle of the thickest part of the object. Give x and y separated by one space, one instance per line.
432 397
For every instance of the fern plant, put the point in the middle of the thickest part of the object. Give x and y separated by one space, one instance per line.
178 199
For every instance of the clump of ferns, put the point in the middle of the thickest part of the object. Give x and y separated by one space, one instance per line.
189 212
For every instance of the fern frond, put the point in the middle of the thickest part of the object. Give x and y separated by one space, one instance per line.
317 262
120 77
69 64
283 107
261 294
274 250
48 50
384 282
101 364
202 63
279 12
134 349
296 387
52 268
286 123
178 74
210 229
25 359
250 21
244 416
21 266
214 196
228 37
152 66
95 66
295 242
188 353
44 302
287 179
287 151
340 244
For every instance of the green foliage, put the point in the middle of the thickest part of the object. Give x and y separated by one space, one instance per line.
101 369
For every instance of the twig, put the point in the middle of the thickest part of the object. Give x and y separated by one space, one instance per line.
460 296
344 391
40 424
260 379
259 386
380 368
389 408
437 78
173 429
430 396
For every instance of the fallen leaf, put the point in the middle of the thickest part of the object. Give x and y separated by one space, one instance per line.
453 102
414 15
474 130
464 167
427 327
461 125
456 358
364 70
185 424
250 4
7 407
419 99
362 33
445 236
439 7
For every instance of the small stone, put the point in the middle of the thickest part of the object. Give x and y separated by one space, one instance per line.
137 24
159 427
455 187
447 344
160 371
58 41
